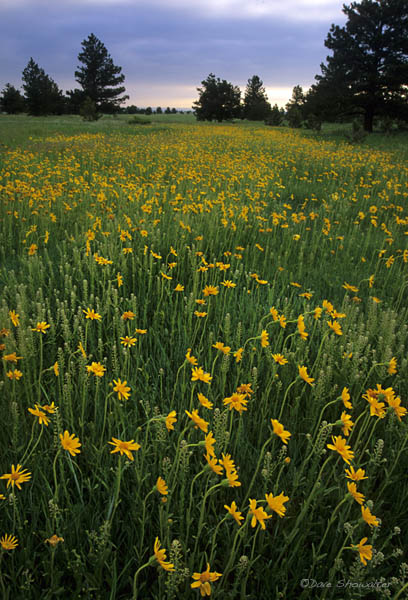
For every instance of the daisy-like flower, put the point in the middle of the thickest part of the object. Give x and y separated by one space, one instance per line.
91 314
264 338
70 443
358 496
392 366
54 540
350 288
335 326
368 517
124 447
161 486
339 445
234 512
141 331
258 514
170 420
304 375
11 357
97 369
301 327
37 412
365 551
179 288
274 313
17 476
204 401
214 464
15 318
355 475
161 557
395 403
238 355
202 581
236 401
191 359
121 389
228 283
16 374
82 349
210 442
345 396
276 503
210 290
346 422
198 374
317 313
377 409
282 321
119 280
55 368
128 341
279 430
279 359
128 315
232 477
41 327
32 249
8 542
200 314
220 346
198 421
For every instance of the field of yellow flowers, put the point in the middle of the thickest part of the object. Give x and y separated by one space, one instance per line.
203 333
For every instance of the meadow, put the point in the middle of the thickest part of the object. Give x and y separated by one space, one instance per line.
204 351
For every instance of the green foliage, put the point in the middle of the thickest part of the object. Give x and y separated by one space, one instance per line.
218 100
88 110
294 108
42 95
276 116
256 106
11 100
139 121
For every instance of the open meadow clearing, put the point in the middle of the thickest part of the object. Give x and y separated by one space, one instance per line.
204 351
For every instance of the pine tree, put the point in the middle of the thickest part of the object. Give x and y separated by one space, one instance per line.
218 100
99 78
256 105
11 100
294 108
42 95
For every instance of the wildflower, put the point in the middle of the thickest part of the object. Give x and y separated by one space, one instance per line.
346 422
317 313
234 512
371 281
200 314
199 422
345 396
210 443
70 443
41 327
15 318
124 447
280 359
165 276
198 374
220 346
170 420
355 475
279 430
128 341
214 464
8 542
11 357
282 321
32 249
179 288
210 290
264 338
37 412
339 445
119 280
236 401
400 411
366 552
82 349
204 401
335 326
276 503
258 514
303 375
54 540
301 327
294 284
16 374
91 314
161 486
97 369
306 295
121 389
227 462
392 366
238 355
200 301
352 488
161 556
350 288
128 315
141 331
50 408
232 477
274 313
228 283
377 409
17 476
368 517
202 580
245 388
55 368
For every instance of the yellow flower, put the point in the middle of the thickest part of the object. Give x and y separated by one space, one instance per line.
280 359
210 443
82 349
128 341
200 314
258 514
335 326
179 288
128 315
350 288
97 369
161 556
214 464
345 396
8 542
191 359
355 475
392 366
170 420
15 318
70 443
264 339
346 422
274 313
198 374
238 355
119 280
210 290
11 357
141 331
366 552
41 327
236 401
368 517
91 314
234 512
161 486
121 389
199 422
37 412
279 430
54 540
339 445
124 447
17 476
358 497
204 401
16 374
220 346
228 283
301 327
394 403
232 477
303 375
32 249
276 503
202 580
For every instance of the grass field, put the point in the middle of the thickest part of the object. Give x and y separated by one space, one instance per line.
204 347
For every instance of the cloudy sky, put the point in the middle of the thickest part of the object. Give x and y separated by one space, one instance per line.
167 47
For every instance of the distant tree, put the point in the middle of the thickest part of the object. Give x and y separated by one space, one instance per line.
11 100
218 100
167 111
42 95
159 110
367 74
99 78
174 111
148 110
276 116
88 110
256 105
294 107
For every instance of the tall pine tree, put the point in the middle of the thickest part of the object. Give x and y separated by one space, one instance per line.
99 78
256 105
42 95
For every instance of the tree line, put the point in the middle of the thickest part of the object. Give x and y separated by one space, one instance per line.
365 77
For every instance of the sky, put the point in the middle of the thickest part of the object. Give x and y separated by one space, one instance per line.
166 48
